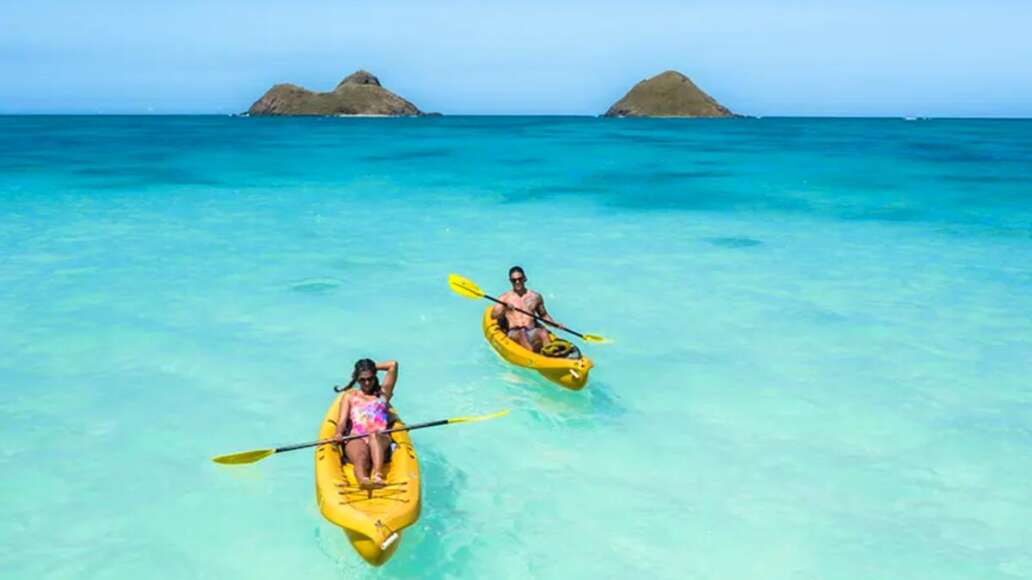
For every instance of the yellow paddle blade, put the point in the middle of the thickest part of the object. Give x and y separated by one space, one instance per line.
596 338
479 417
464 287
244 457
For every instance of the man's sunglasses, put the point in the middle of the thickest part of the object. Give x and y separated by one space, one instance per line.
515 280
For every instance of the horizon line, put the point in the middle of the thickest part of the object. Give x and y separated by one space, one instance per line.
555 115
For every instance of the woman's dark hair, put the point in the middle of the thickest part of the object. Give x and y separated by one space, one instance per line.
363 364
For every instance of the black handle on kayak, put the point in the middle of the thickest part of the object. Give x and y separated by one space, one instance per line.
534 316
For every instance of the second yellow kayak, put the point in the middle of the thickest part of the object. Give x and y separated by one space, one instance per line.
571 373
373 520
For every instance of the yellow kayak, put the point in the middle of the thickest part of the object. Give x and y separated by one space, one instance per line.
373 520
571 373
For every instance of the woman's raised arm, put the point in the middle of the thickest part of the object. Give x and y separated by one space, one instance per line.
387 386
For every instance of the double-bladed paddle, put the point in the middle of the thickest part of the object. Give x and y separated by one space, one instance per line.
259 454
468 289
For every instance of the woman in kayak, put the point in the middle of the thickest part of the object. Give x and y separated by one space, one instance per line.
364 412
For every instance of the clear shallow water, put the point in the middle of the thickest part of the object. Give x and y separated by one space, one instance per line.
822 329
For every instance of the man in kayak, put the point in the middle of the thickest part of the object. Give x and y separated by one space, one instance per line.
521 327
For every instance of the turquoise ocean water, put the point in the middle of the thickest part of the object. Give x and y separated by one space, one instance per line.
823 331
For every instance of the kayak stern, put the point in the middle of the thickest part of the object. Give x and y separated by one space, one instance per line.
372 551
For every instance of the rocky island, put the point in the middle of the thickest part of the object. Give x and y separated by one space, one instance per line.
669 94
358 94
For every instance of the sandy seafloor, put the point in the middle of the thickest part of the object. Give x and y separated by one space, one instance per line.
822 336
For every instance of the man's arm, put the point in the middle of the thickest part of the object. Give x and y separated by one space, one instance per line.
543 314
499 309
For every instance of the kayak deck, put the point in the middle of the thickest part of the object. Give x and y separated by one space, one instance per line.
373 520
571 373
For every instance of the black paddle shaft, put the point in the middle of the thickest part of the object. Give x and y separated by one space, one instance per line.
350 437
532 315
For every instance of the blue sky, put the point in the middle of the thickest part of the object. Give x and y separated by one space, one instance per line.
879 57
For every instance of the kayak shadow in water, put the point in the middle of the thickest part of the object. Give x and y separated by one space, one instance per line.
435 546
438 544
334 545
593 406
550 404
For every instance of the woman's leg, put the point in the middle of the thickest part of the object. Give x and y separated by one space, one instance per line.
378 444
357 451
